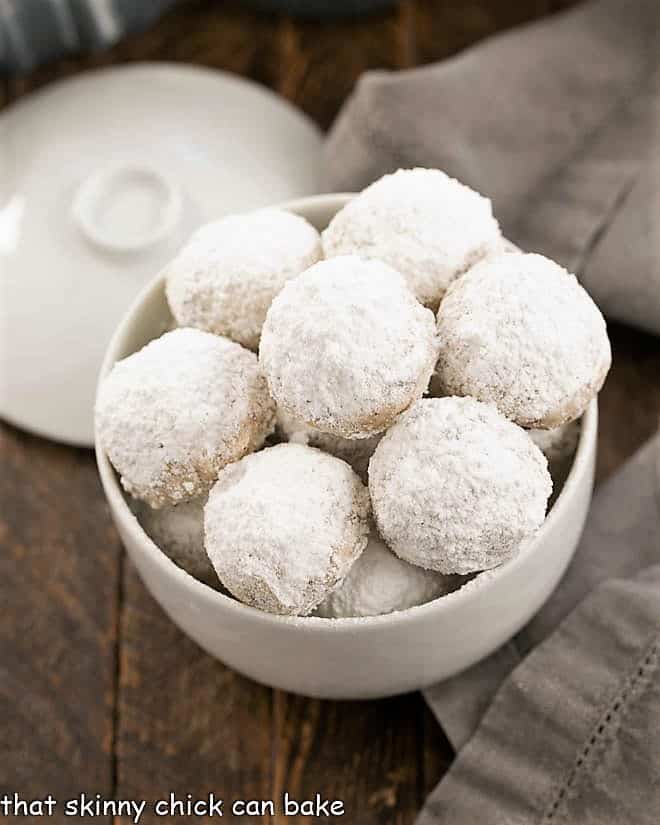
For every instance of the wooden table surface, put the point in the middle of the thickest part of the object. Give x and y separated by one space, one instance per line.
99 691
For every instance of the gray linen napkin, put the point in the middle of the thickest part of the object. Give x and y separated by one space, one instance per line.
620 539
558 122
562 725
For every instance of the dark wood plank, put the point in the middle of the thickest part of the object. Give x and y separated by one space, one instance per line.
320 63
630 399
444 28
59 568
435 752
363 753
185 723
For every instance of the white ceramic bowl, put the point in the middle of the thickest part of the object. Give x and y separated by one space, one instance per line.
351 658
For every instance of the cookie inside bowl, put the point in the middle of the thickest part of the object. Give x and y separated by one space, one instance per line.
178 532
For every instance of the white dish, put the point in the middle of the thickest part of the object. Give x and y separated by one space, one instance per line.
365 657
102 177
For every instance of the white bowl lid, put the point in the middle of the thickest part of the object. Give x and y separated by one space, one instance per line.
102 177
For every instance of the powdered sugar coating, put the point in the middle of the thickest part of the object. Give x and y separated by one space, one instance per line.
456 487
380 582
226 277
423 223
346 347
519 330
179 532
172 415
283 527
354 451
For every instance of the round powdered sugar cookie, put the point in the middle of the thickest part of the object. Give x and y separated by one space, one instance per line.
354 451
423 223
379 582
283 527
518 330
179 532
346 347
172 415
226 277
456 487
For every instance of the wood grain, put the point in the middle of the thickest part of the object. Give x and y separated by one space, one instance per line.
321 64
630 400
444 28
363 753
59 572
185 724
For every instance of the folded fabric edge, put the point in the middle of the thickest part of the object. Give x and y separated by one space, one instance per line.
561 711
460 702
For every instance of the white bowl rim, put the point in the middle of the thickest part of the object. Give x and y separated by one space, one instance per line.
197 589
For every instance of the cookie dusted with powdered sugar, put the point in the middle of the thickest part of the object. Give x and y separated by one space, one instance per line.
380 582
519 331
346 347
423 223
226 277
284 526
172 415
456 487
354 451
